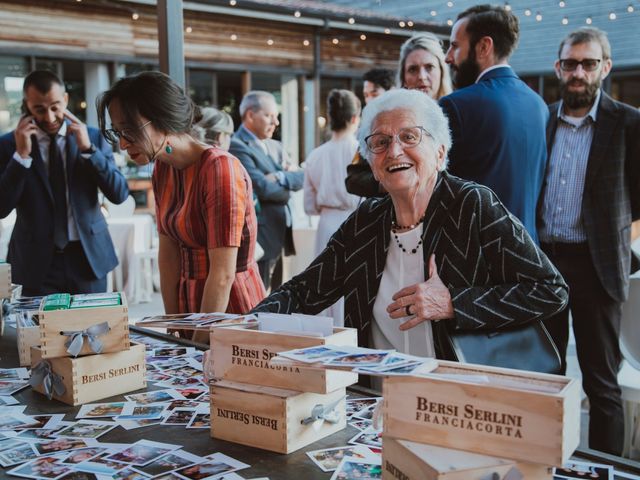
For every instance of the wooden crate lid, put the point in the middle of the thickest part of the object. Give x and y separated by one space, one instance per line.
259 389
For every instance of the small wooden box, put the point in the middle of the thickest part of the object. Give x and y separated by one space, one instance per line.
406 460
53 322
96 377
501 412
27 337
270 418
242 355
5 280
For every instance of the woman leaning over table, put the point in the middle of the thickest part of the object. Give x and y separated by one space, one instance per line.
437 254
204 206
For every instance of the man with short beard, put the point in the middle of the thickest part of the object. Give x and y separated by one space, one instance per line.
497 121
591 195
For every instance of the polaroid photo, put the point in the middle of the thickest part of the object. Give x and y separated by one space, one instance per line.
617 475
169 476
364 414
313 354
354 405
7 400
41 433
170 462
183 371
328 459
100 465
576 469
75 475
216 465
368 359
142 452
133 424
100 410
351 469
200 420
9 409
174 351
59 445
129 473
179 416
9 443
21 454
178 383
247 320
192 393
369 438
361 424
205 397
15 421
13 374
155 396
182 404
86 429
144 412
47 422
82 455
45 467
157 377
195 363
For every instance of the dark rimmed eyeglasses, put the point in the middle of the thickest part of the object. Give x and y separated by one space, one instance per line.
128 134
407 137
588 64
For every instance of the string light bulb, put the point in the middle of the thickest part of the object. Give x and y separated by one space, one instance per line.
588 21
449 22
351 20
612 16
387 31
135 15
335 41
433 13
507 7
270 42
450 4
630 8
561 4
527 13
363 37
565 20
538 17
234 37
232 3
305 42
188 29
402 24
297 14
409 23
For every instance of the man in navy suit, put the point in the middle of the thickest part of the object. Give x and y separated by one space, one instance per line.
264 160
51 168
497 121
590 197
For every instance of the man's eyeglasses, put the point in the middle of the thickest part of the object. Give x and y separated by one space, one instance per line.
408 137
588 64
129 134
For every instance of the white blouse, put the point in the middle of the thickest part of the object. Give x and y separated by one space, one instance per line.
401 270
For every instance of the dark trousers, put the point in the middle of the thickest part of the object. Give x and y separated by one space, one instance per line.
266 269
596 326
70 272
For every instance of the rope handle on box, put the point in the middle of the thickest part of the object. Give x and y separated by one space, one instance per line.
77 337
328 413
43 374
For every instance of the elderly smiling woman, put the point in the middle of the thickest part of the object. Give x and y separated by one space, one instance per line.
436 255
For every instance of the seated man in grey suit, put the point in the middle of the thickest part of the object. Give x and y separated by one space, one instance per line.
272 184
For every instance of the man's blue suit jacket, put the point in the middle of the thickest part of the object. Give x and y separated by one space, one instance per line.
27 190
498 128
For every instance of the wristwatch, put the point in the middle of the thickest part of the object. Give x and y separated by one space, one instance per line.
89 151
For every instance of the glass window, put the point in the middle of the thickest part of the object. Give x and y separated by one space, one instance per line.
626 89
229 94
73 77
12 73
202 87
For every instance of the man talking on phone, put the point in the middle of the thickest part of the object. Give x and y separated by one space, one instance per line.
51 168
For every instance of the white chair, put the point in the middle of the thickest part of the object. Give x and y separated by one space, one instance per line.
125 209
629 375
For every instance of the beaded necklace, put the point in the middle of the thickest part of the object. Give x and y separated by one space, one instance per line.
395 228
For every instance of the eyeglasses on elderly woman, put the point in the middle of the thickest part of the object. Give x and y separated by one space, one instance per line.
407 137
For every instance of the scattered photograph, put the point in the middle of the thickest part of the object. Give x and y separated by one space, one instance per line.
179 416
9 443
183 404
7 400
169 462
46 421
361 424
156 396
129 473
216 465
40 433
75 475
359 359
172 351
368 438
20 454
133 424
86 429
14 374
576 469
200 420
142 452
351 469
59 445
144 412
328 459
313 354
15 420
100 465
191 393
365 413
98 410
45 467
82 455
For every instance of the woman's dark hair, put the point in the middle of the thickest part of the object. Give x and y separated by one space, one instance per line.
154 96
342 106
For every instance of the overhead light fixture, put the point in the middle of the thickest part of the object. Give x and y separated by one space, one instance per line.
562 4
305 42
409 23
363 37
538 17
135 15
270 42
449 4
402 24
351 20
449 22
297 14
387 31
588 21
527 12
565 21
630 8
612 16
433 13
188 29
234 37
335 41
232 3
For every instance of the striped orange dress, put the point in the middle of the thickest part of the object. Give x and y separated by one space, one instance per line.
209 205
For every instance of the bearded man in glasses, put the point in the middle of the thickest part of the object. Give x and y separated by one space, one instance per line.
590 197
51 167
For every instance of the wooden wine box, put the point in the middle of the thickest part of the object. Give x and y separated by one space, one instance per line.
96 377
244 354
54 322
404 460
272 418
500 412
5 280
